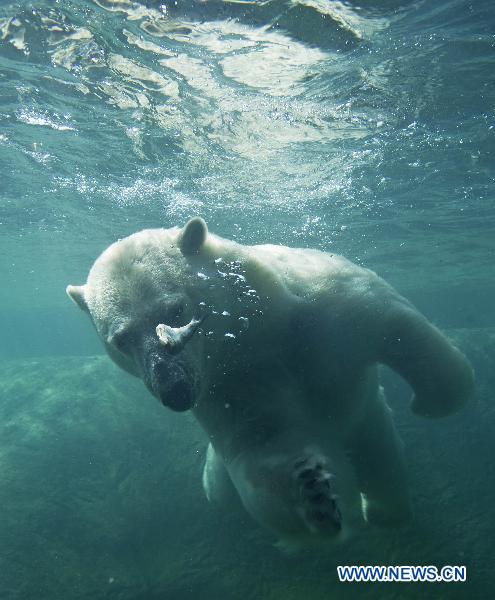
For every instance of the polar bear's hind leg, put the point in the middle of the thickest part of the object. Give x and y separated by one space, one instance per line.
379 464
217 484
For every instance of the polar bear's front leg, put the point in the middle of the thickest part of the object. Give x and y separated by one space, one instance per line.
441 377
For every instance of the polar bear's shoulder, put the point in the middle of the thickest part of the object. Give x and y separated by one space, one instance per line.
310 272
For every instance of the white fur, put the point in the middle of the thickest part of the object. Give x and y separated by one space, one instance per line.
287 366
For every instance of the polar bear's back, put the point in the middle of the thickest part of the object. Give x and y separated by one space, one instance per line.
308 273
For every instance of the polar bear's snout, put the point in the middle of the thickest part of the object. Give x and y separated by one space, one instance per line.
168 377
169 381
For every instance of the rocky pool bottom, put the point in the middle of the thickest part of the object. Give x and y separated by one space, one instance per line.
101 498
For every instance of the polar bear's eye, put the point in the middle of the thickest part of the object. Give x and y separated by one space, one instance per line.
119 340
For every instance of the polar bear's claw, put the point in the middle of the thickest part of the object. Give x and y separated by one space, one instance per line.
318 506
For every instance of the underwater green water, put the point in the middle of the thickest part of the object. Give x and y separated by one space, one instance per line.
361 128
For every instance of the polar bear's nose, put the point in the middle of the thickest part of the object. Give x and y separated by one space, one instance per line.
179 397
170 383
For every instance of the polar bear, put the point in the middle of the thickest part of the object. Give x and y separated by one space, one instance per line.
275 351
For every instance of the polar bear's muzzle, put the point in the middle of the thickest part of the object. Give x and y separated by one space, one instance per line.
168 377
169 381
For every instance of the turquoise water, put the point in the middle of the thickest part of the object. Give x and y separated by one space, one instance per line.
362 128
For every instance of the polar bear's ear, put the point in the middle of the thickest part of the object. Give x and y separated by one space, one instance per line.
76 294
193 236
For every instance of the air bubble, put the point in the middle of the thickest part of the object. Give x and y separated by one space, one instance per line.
244 322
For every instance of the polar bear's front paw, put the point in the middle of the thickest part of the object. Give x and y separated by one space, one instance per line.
317 504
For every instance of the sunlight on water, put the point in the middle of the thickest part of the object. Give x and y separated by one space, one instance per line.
341 123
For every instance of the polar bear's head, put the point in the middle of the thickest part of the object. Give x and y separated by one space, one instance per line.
142 295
